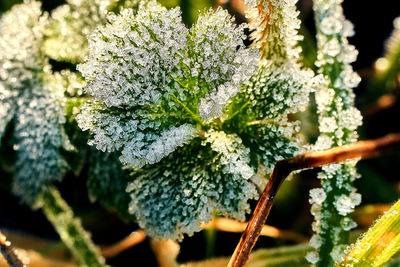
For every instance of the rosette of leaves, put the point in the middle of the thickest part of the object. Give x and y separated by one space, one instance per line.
181 108
30 101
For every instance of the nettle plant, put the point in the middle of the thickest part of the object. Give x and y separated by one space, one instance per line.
183 122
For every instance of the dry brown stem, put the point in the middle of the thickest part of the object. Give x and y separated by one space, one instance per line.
166 252
132 240
229 225
283 168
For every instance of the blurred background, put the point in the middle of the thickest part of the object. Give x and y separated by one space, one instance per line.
377 98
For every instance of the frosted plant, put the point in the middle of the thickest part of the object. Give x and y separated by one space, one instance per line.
276 28
280 87
30 100
157 86
181 107
174 196
66 36
339 120
107 181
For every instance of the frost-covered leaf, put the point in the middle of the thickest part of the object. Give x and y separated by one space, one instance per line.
221 62
66 36
21 34
39 111
107 181
174 196
39 139
150 75
280 89
273 93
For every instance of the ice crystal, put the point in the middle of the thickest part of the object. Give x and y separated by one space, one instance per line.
312 257
338 252
317 196
223 63
345 204
21 31
348 224
31 100
70 82
338 119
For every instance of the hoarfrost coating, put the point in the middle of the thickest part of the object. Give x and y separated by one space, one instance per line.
29 98
148 73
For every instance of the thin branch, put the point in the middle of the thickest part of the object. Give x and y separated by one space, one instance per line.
166 252
8 252
362 149
132 240
229 225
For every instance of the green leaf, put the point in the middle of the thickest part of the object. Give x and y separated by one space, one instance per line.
379 244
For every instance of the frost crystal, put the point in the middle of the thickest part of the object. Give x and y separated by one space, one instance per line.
338 120
345 204
317 196
348 224
39 138
312 257
280 87
31 100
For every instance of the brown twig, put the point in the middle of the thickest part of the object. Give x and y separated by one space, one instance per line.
229 225
283 168
133 239
8 252
166 252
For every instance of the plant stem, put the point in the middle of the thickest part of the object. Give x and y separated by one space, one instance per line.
70 229
338 122
133 239
283 168
230 225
